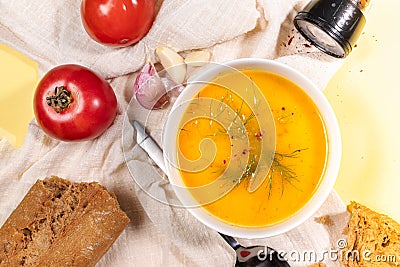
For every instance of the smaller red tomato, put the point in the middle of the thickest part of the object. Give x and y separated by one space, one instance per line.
72 103
117 22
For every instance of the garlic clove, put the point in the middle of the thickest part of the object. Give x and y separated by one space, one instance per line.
149 89
198 58
173 63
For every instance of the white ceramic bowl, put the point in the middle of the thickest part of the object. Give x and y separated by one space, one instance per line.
333 158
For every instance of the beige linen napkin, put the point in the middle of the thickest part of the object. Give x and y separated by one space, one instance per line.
51 33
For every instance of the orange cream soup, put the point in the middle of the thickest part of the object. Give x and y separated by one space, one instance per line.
298 126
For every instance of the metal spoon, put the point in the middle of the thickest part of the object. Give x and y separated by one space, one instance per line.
254 256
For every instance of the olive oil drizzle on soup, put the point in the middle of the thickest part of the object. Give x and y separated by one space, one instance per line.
301 148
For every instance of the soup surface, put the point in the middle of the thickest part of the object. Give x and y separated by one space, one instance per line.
298 161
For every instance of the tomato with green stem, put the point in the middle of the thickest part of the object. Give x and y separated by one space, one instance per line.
73 103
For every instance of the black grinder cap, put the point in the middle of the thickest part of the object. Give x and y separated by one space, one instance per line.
331 25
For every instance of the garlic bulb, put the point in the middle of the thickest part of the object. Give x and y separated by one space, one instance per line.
149 90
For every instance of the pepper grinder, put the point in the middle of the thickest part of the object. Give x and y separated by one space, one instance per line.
333 26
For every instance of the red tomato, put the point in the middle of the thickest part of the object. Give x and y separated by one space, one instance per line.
117 22
72 103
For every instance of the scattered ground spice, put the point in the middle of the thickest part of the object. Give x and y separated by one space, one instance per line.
290 40
325 220
299 47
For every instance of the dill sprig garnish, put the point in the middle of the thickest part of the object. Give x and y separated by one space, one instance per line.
248 119
286 173
250 168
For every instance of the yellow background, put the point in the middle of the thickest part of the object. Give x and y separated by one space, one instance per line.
364 93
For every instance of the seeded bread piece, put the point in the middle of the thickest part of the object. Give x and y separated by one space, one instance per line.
59 223
375 236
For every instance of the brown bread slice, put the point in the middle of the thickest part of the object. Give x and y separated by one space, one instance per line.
59 223
375 236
